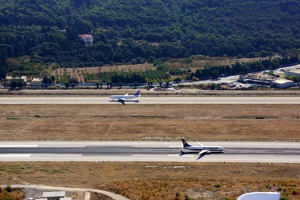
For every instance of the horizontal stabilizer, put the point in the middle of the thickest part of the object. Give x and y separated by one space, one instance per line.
121 100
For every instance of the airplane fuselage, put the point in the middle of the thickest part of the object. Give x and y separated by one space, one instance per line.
200 149
116 97
209 148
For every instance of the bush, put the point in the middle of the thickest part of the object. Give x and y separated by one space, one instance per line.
8 188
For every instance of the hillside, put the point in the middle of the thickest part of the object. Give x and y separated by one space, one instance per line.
137 31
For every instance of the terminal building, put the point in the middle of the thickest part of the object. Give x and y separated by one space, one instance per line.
292 72
283 83
55 195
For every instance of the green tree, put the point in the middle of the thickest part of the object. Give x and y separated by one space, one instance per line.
120 85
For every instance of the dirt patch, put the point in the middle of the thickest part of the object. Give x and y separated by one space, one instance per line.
80 73
150 122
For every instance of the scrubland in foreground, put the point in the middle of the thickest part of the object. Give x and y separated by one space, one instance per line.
161 181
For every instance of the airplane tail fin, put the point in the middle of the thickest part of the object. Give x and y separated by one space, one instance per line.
137 94
184 143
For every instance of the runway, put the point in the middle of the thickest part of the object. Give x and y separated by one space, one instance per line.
152 100
267 152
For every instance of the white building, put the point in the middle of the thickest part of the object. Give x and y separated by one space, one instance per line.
260 196
9 79
87 38
292 72
56 195
36 82
283 83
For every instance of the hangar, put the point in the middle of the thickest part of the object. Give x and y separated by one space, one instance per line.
283 83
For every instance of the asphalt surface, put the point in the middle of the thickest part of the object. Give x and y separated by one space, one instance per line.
152 100
42 188
147 151
273 152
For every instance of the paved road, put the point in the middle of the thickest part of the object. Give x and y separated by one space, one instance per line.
275 152
53 188
152 100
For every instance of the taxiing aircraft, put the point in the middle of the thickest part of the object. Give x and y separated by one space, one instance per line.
200 149
126 98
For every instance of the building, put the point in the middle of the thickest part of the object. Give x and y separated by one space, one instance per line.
292 72
87 38
9 79
283 83
56 195
36 82
260 196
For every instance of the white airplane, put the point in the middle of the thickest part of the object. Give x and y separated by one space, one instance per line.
200 149
126 98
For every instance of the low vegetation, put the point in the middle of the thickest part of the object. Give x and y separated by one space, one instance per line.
8 193
161 181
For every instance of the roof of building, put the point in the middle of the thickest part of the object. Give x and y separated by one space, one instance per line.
282 81
85 35
260 196
36 79
295 71
16 77
54 194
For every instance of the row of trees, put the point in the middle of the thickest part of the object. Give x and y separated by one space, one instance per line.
136 31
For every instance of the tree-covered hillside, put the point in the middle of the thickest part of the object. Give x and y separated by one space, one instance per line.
139 30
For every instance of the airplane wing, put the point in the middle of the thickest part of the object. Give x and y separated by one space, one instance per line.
203 153
199 143
122 101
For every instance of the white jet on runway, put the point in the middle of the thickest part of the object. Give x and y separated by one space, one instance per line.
126 98
200 149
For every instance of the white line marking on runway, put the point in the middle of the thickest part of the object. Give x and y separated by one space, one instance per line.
16 146
15 155
184 156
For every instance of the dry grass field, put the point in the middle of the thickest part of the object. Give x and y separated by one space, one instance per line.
155 181
150 122
195 63
199 61
79 73
161 181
